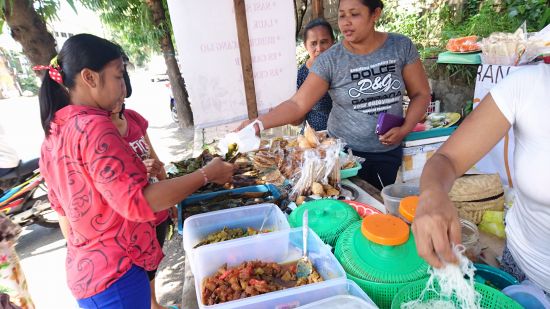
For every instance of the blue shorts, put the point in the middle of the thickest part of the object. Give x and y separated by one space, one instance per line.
131 291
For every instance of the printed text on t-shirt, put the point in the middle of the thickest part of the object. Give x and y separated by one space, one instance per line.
140 148
377 87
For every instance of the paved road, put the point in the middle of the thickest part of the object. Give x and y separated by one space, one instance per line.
42 250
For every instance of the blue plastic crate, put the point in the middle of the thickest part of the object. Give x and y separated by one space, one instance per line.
195 198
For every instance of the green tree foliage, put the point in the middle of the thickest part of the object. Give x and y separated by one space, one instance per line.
535 12
431 23
47 9
130 24
483 22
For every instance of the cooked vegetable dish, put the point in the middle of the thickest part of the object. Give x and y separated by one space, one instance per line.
250 279
228 234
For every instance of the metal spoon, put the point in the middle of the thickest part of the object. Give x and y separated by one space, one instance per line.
304 267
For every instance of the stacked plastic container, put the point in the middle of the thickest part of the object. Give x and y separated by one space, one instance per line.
281 245
340 296
198 227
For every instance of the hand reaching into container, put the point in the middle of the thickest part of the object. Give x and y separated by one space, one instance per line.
436 227
218 171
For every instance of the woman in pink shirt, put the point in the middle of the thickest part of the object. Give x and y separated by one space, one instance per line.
98 182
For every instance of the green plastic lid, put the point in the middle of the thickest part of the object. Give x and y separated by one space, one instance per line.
459 58
369 261
328 218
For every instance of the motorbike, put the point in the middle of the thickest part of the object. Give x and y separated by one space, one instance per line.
25 200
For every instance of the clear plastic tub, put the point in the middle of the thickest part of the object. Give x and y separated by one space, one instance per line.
393 194
340 302
281 247
338 298
271 190
198 227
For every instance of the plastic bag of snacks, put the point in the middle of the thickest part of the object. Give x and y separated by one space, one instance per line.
319 173
515 48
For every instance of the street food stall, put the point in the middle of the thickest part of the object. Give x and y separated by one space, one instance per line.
255 223
296 228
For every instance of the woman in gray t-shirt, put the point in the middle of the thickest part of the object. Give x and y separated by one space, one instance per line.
365 74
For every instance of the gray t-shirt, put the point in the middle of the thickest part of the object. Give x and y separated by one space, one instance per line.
362 86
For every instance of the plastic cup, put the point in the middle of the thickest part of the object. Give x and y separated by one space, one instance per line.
393 194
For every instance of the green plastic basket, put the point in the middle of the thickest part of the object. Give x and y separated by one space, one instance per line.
378 263
328 218
350 172
382 294
490 298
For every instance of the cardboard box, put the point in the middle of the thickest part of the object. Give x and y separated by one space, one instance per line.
414 159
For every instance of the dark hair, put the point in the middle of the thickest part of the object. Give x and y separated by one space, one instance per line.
79 52
126 76
318 22
371 4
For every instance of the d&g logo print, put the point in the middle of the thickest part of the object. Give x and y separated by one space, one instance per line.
377 89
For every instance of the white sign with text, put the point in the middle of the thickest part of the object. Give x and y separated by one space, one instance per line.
206 37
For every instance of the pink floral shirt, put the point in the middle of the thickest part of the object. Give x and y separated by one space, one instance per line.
96 180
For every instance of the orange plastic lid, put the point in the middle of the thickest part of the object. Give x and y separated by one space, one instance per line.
385 229
407 207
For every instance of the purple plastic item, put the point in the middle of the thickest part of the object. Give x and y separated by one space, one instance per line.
388 121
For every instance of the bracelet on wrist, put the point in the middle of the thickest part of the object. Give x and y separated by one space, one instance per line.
206 181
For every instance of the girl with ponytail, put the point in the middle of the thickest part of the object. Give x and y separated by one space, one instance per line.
98 183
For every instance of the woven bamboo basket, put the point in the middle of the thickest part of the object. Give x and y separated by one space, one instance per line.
473 195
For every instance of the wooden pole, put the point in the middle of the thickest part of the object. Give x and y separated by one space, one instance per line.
318 11
246 58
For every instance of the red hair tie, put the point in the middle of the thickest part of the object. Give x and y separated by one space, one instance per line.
53 70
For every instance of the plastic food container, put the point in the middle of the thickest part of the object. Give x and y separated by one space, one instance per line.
470 239
349 172
348 293
340 302
198 227
493 277
407 208
280 247
393 194
528 295
364 210
274 195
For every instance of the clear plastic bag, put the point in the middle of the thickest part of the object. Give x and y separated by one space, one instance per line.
515 48
319 173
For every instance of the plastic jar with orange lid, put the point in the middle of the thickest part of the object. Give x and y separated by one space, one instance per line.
407 208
